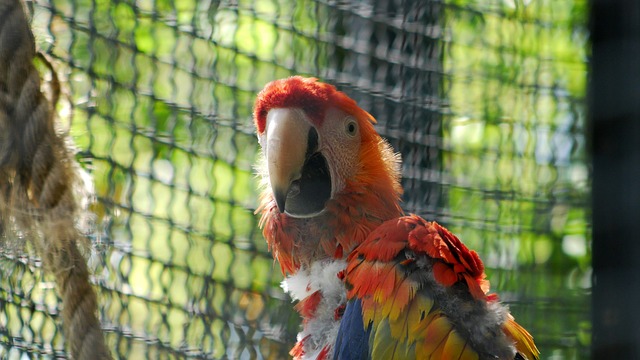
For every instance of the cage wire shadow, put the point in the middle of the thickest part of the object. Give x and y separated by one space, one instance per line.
484 99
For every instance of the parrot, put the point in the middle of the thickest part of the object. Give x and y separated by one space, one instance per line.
370 281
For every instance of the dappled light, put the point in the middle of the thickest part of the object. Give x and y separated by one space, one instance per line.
485 100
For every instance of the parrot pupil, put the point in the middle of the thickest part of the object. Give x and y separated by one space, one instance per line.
308 195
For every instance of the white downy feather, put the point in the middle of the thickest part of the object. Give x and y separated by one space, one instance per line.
323 328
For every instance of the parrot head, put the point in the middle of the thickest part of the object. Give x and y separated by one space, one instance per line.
321 155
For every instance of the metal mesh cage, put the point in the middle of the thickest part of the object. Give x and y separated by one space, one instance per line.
484 99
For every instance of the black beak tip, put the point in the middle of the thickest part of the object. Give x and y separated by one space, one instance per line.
281 197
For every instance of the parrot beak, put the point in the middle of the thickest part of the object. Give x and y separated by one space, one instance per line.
286 149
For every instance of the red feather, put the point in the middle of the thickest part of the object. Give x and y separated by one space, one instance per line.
444 274
304 93
392 298
384 257
307 307
453 261
323 353
351 215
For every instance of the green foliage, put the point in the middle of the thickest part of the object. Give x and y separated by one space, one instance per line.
514 147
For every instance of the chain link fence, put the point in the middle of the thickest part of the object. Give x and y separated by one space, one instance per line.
484 99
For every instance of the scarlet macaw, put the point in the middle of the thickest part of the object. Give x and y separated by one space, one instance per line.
371 282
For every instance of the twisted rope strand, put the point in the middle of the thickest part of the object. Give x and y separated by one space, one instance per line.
37 179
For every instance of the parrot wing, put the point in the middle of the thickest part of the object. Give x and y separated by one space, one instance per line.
416 292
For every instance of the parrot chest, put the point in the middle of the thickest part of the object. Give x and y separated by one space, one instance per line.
322 296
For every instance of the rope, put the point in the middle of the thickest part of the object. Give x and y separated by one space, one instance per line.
39 181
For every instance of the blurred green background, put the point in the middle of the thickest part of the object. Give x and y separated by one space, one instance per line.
484 99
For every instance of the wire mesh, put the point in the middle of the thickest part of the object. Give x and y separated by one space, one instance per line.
484 99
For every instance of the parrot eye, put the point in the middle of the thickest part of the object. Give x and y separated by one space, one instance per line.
351 127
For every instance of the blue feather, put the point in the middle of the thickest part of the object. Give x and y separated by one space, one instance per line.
352 342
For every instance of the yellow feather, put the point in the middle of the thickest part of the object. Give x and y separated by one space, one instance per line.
421 330
379 315
368 310
437 353
453 347
524 341
435 335
387 278
387 347
420 304
372 311
407 325
402 295
469 354
399 326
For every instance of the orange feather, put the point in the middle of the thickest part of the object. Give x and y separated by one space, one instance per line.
298 350
389 296
384 257
353 213
436 335
454 346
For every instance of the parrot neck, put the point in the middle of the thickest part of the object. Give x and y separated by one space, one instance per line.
346 222
322 297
